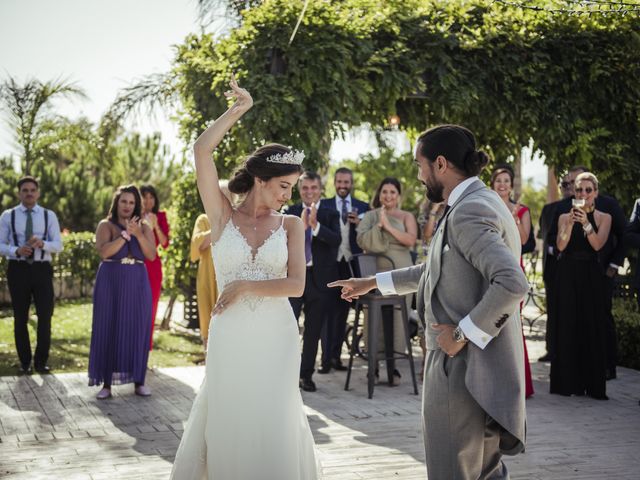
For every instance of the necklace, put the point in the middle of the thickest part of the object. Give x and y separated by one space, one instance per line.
589 209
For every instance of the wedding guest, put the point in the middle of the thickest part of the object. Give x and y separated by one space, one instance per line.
206 287
122 299
321 241
29 234
548 217
611 257
632 240
432 213
502 183
388 230
206 284
578 366
157 220
351 210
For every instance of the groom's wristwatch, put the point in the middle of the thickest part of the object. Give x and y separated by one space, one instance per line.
459 336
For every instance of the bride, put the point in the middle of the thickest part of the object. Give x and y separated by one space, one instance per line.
247 421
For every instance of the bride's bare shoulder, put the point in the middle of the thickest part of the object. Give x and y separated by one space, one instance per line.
291 223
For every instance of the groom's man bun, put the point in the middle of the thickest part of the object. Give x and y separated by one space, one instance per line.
455 143
256 166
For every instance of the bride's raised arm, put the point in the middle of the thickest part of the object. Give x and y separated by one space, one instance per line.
216 205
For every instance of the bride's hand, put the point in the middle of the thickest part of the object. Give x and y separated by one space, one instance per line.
231 294
243 98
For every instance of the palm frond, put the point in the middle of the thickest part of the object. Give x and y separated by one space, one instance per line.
153 91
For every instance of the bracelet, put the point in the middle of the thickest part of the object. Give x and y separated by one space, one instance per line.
588 229
125 235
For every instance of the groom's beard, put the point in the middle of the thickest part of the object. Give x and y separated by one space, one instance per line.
435 190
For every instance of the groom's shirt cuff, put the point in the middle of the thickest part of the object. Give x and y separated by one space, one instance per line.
479 337
384 282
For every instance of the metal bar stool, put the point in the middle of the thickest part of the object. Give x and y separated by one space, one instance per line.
374 302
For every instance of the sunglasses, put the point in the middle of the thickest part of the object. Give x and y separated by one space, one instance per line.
585 190
566 184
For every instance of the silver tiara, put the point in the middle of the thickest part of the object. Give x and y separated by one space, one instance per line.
294 157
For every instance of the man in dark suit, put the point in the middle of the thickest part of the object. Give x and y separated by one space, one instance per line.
611 257
547 217
350 211
632 240
322 239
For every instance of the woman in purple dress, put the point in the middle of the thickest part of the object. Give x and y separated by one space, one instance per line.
121 297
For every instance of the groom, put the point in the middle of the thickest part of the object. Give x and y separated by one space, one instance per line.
469 294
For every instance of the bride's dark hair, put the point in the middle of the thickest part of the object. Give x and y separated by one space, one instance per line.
256 166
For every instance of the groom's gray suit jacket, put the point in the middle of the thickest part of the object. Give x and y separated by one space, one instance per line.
473 269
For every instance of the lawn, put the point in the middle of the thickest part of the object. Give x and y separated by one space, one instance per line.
71 337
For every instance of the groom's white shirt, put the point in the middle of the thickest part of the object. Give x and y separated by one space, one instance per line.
384 281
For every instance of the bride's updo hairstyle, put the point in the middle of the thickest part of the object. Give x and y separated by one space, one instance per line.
257 166
455 143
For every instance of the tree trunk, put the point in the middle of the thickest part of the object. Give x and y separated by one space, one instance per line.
552 186
517 176
166 318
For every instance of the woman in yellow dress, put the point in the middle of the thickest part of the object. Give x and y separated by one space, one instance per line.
206 288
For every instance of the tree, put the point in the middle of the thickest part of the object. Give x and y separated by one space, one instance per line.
568 82
27 106
8 183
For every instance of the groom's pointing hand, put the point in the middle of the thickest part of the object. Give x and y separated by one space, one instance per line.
354 287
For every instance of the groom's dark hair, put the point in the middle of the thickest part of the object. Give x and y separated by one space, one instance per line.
455 143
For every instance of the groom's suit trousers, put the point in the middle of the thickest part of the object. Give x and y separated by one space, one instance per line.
453 422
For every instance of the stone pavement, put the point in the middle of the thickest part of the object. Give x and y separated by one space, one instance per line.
53 427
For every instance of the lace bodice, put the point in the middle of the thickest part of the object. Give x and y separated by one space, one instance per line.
234 260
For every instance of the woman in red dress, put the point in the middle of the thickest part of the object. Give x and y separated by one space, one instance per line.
157 220
502 184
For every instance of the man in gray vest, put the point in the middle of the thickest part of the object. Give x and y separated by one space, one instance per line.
469 292
29 234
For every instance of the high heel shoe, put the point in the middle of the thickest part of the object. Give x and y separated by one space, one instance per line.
104 394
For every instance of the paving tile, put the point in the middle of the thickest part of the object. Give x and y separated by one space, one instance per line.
53 427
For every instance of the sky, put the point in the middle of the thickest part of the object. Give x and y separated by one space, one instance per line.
105 46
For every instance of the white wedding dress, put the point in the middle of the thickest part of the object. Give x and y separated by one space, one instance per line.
247 421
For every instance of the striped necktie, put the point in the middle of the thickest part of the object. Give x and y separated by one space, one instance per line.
307 240
28 231
345 210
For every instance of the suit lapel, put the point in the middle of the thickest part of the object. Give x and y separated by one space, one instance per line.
434 259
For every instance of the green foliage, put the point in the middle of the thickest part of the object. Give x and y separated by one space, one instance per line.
140 160
508 74
77 166
369 170
8 180
627 320
74 269
27 106
179 272
78 262
78 173
534 199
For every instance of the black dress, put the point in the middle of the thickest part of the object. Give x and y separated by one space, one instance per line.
579 363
